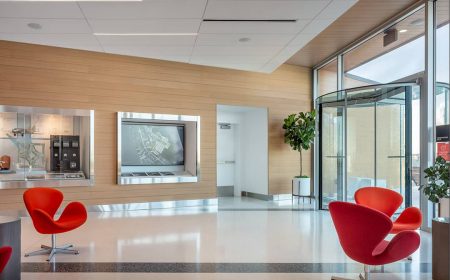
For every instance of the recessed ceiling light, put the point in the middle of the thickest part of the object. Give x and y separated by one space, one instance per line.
146 34
244 39
34 25
403 30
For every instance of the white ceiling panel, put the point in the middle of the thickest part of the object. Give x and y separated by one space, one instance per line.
215 43
336 8
316 26
26 9
74 41
147 9
264 9
145 26
232 59
240 65
167 53
67 26
236 50
148 40
254 39
151 51
302 39
252 27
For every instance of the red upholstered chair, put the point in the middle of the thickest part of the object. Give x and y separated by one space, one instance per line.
388 201
42 204
361 232
5 254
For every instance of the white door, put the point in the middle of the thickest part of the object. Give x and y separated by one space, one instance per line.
225 155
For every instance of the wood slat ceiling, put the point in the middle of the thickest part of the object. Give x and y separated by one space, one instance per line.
361 18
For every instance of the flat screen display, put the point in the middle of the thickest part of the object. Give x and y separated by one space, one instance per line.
147 144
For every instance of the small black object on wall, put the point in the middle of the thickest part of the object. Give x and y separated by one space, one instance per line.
65 153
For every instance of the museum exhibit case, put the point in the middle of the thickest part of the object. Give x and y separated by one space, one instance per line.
46 146
157 148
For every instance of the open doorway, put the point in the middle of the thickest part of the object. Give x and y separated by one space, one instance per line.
242 151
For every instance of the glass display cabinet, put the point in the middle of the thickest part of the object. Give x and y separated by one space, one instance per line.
45 147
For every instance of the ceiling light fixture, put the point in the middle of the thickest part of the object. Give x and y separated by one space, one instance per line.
403 30
146 34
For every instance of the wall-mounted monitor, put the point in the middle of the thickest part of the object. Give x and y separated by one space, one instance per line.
157 148
150 144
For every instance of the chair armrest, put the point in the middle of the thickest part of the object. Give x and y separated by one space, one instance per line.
402 245
42 221
410 215
74 209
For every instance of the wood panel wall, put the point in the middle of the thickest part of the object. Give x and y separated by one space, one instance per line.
33 75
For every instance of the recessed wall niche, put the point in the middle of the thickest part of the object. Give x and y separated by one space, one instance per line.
157 148
45 146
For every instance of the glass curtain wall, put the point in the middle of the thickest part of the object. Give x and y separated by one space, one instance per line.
376 61
327 78
379 133
442 76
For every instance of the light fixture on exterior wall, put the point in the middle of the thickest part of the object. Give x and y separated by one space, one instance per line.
403 30
146 34
390 36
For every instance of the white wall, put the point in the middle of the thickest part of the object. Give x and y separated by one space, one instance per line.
250 145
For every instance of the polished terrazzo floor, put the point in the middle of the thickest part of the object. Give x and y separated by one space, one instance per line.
239 239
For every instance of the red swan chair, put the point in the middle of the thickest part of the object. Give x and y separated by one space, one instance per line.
361 231
388 201
5 254
42 204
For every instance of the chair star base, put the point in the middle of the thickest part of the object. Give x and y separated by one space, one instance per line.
53 250
361 277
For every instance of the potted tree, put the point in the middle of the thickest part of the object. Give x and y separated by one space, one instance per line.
437 188
300 130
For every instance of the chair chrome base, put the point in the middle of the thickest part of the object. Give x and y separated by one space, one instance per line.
53 250
361 277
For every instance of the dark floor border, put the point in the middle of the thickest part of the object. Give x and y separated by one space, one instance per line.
128 267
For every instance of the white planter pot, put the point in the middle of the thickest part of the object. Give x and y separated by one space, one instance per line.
301 186
444 207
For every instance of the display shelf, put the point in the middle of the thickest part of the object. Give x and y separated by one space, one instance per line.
38 143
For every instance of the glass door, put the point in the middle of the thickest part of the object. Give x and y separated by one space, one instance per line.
393 144
361 145
365 140
332 153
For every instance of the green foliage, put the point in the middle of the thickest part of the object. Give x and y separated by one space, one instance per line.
300 130
438 180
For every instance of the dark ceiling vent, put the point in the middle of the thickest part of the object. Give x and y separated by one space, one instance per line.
253 20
